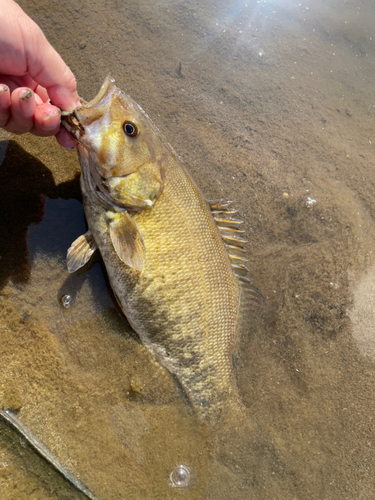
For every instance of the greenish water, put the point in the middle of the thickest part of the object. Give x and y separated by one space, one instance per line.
270 104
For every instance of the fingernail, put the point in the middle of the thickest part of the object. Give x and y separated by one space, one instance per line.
46 118
3 88
26 95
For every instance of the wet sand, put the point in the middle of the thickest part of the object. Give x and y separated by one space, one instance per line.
271 105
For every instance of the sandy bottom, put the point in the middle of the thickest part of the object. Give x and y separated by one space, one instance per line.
269 104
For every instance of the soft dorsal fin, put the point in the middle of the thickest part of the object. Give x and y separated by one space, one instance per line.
250 292
80 252
126 240
251 307
230 232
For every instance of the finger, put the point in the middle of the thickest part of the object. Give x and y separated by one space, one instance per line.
39 101
4 104
42 92
25 50
63 98
14 82
22 109
48 69
47 120
65 139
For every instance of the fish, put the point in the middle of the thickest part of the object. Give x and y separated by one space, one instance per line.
176 262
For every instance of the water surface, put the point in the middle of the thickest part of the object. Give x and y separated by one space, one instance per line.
270 104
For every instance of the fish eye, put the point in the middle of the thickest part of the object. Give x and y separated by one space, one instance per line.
130 129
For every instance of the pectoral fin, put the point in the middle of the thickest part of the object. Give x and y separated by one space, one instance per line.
127 240
80 252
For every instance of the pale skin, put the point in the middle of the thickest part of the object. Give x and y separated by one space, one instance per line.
35 83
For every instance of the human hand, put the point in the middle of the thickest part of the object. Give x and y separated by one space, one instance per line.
32 76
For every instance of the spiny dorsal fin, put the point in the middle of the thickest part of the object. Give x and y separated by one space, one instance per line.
237 259
240 269
126 240
224 211
228 221
218 204
234 240
80 252
230 232
235 250
228 226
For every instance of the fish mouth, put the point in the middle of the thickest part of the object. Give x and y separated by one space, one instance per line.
105 93
70 121
76 120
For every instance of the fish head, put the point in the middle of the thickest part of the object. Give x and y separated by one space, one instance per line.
125 149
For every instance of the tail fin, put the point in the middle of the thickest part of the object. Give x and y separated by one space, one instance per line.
247 453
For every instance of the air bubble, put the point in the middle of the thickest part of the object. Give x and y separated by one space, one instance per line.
181 477
66 301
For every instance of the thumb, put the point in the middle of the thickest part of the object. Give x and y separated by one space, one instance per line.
46 67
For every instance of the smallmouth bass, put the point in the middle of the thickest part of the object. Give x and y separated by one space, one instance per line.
178 274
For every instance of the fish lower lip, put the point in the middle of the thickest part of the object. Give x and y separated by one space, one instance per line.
71 122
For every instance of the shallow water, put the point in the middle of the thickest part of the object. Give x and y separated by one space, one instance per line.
270 104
